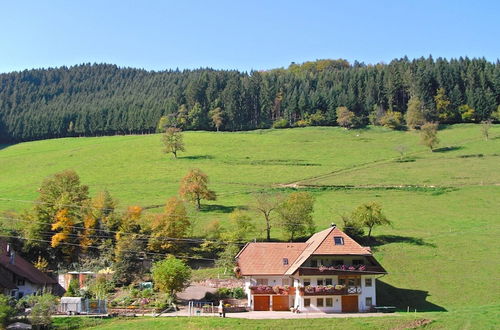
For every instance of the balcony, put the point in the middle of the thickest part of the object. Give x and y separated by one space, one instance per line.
329 290
273 290
341 269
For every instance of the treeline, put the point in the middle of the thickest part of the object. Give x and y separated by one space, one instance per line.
102 99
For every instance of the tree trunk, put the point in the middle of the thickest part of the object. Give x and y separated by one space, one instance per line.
198 204
175 154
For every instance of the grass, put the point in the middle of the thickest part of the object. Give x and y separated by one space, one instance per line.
440 253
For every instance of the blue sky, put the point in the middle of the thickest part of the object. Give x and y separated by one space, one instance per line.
243 35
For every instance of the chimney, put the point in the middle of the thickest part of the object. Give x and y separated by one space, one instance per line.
12 259
333 225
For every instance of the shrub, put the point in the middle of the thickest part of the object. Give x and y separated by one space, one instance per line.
392 120
280 123
238 293
42 308
6 310
302 123
73 288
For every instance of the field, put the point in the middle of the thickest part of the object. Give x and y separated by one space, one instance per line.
441 253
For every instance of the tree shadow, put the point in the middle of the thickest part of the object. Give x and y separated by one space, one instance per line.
388 295
446 149
4 146
388 239
197 157
218 208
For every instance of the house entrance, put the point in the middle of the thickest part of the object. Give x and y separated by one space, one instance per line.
349 304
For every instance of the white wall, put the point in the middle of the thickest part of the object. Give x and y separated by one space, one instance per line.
366 292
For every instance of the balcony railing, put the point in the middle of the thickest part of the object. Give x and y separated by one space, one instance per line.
328 290
341 269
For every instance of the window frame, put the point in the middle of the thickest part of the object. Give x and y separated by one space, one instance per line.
340 240
322 302
329 300
307 302
370 280
306 280
366 301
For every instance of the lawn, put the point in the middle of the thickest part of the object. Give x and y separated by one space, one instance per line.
445 205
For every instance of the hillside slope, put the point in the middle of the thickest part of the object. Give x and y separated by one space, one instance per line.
440 253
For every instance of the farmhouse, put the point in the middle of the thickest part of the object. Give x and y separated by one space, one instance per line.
18 277
330 272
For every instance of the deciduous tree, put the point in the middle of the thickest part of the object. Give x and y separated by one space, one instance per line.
173 141
216 116
415 114
172 223
428 135
266 204
485 128
370 215
296 214
171 275
345 118
194 187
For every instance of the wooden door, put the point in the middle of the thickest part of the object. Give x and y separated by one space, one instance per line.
349 304
261 303
280 303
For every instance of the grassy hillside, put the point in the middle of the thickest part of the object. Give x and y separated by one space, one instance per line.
445 205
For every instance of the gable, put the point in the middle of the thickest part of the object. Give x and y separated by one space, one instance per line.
350 246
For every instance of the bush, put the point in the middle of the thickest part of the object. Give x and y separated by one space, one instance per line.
280 123
42 308
73 288
6 310
317 119
238 293
302 123
392 120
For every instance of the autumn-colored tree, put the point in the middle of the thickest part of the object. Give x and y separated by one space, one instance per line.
60 192
296 214
345 118
64 226
99 219
266 204
216 116
194 188
172 223
428 135
173 141
415 114
370 215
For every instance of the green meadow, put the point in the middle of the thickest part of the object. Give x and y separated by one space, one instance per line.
441 253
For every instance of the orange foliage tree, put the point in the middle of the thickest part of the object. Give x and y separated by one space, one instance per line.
194 187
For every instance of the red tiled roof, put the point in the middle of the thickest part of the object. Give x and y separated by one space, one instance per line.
267 258
23 268
350 246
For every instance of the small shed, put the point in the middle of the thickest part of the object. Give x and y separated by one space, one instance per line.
71 305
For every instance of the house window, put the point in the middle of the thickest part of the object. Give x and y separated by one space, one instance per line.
338 240
320 302
285 281
339 262
262 281
342 281
307 281
368 302
356 262
285 261
329 281
329 302
307 302
20 281
320 282
314 263
368 282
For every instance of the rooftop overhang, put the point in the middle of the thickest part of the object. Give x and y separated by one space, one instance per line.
369 270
